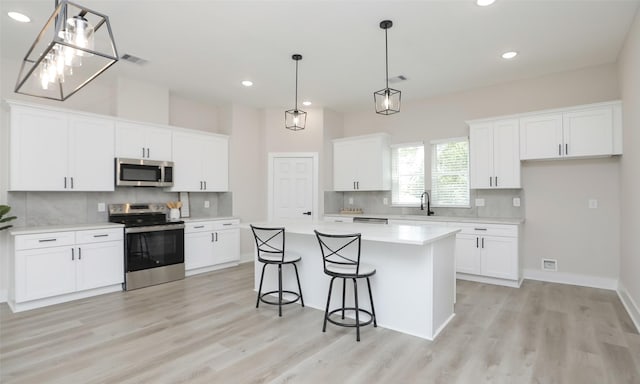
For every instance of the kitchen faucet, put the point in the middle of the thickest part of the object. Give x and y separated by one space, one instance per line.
429 211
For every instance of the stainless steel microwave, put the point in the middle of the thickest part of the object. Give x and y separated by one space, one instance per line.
143 173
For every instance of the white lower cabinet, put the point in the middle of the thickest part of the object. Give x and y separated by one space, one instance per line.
55 267
210 245
488 253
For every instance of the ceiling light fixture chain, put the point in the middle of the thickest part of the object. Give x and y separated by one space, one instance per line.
295 119
387 100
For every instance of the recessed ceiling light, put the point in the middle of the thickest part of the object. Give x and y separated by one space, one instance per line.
484 3
509 55
306 103
17 16
247 83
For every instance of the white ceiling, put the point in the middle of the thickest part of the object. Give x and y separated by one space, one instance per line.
203 49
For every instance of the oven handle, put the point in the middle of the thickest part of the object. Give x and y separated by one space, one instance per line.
154 228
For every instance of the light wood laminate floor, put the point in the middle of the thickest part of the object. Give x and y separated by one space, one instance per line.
205 329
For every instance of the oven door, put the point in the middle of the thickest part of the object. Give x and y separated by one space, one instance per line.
154 246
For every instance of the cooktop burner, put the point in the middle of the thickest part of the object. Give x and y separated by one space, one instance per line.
138 215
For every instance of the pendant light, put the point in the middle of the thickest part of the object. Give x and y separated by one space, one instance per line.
295 119
387 100
73 48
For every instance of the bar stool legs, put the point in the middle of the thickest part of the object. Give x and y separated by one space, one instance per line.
356 309
280 291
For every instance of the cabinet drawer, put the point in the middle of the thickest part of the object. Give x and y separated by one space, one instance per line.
338 219
99 235
480 229
44 240
201 226
225 224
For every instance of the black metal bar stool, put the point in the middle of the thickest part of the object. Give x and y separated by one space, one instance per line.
341 259
270 248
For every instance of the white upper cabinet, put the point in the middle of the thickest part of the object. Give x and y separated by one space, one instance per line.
593 130
201 162
60 151
142 141
362 163
494 154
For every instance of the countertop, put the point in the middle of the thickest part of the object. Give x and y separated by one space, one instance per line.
15 231
394 233
198 219
449 219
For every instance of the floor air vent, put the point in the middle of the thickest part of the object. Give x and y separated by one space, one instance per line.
550 265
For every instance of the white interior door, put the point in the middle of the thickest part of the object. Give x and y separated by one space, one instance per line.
292 188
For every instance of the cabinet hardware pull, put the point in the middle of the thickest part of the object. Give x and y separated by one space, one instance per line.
73 254
216 236
71 182
198 226
103 235
490 181
205 185
358 184
483 242
148 153
65 182
477 244
212 237
46 240
226 224
479 229
79 253
566 149
496 181
142 151
559 149
354 185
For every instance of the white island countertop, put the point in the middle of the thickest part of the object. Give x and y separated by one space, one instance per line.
387 233
433 219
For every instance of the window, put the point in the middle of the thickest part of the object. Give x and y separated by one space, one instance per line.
407 174
450 173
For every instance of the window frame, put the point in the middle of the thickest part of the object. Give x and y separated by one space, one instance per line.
395 183
433 144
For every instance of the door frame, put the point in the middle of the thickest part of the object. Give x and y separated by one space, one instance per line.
271 156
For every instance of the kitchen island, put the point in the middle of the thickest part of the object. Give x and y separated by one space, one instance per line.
414 285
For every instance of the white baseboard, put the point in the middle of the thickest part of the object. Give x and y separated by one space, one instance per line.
571 279
4 296
489 280
630 305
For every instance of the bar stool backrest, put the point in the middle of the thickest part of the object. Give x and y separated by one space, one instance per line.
340 250
269 243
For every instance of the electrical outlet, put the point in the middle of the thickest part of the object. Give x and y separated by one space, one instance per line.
101 207
516 201
385 200
593 203
206 204
479 202
351 201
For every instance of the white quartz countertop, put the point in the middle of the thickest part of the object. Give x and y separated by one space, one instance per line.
400 234
15 231
448 219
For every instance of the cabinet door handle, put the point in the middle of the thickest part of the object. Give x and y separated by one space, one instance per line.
79 253
490 181
212 237
103 235
65 182
477 242
71 182
483 242
227 224
73 254
496 181
148 153
566 149
201 185
354 185
198 226
358 184
216 236
46 240
559 149
205 185
142 151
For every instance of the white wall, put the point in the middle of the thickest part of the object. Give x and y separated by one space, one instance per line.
193 114
630 172
138 100
555 192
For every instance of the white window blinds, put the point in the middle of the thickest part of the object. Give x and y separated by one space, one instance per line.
407 174
450 173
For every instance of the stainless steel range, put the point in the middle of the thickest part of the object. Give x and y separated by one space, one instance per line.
153 246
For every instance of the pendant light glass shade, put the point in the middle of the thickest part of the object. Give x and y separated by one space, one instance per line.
73 48
387 100
295 119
